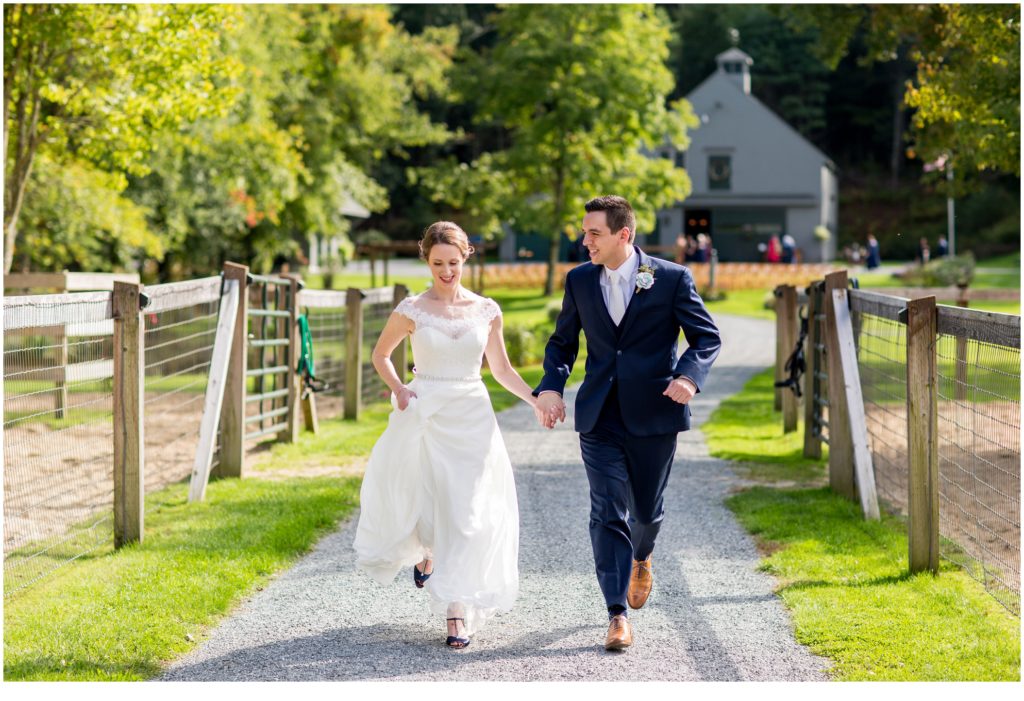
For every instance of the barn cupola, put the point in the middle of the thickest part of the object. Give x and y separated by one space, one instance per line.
736 65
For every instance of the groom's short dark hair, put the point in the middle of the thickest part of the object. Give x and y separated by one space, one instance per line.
617 211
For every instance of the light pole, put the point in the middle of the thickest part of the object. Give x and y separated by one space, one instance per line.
946 163
950 225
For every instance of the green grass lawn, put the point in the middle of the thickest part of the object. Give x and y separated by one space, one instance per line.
122 615
743 303
746 429
845 580
1009 260
997 305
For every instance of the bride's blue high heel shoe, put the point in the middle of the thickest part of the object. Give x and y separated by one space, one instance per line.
419 578
454 640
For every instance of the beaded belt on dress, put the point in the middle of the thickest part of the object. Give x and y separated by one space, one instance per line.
438 378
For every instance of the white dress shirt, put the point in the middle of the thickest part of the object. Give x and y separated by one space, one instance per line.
627 280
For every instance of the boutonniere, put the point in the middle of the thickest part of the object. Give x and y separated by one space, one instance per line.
644 278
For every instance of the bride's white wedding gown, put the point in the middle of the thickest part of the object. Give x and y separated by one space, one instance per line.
439 482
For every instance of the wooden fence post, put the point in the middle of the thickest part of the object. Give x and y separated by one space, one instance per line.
960 384
858 428
61 342
812 442
354 352
791 331
232 416
922 436
780 348
129 439
400 356
840 446
215 387
713 273
292 378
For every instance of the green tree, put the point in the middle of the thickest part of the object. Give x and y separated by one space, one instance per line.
324 94
217 189
75 217
355 97
95 83
579 91
967 85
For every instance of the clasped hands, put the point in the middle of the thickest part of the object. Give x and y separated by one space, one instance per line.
550 409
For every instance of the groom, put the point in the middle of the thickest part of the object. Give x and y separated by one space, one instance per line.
633 401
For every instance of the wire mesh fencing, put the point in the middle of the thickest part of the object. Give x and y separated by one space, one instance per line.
977 427
882 365
180 326
978 363
816 382
377 307
58 432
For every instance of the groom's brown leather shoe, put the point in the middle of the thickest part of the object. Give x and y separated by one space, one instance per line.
620 633
640 583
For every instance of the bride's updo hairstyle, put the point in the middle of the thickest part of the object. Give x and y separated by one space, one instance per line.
445 232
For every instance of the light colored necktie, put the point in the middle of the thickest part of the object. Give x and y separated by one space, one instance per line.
616 300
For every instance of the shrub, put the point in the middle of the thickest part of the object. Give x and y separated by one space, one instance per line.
952 270
709 295
372 236
553 308
520 342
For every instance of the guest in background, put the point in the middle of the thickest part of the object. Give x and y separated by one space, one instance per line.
681 246
788 249
942 247
691 248
703 254
874 258
923 252
774 252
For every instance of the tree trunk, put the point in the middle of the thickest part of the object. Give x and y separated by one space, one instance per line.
10 234
898 119
27 124
16 184
556 235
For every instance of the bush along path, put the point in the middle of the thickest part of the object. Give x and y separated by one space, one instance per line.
712 615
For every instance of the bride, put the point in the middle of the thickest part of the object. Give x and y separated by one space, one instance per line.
438 493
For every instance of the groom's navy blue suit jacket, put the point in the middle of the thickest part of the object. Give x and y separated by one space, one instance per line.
641 353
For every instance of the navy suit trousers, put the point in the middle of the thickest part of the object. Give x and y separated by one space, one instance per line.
627 477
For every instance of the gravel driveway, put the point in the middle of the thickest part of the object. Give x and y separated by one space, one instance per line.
711 617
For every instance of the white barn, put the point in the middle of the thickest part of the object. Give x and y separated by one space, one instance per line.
753 174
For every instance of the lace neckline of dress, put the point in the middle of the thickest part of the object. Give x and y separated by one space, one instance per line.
479 313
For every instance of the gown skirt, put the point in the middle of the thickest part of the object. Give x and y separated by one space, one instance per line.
439 484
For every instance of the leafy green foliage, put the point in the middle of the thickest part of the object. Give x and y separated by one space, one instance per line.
967 87
76 217
97 83
579 90
242 130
